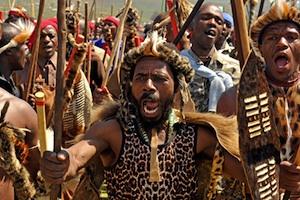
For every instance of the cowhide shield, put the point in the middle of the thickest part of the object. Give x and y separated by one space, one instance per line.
258 139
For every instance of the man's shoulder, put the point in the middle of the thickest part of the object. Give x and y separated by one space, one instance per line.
109 124
226 59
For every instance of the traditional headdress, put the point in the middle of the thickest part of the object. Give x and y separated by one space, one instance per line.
112 19
25 27
157 47
18 12
281 11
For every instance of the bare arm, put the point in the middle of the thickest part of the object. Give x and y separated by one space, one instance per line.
21 115
227 102
56 168
31 139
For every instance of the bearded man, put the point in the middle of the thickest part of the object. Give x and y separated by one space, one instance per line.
148 149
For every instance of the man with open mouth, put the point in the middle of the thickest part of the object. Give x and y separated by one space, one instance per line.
215 72
276 39
147 147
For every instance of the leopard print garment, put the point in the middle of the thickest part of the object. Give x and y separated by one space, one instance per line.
129 178
287 107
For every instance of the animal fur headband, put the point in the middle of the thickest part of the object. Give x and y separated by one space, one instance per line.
156 46
280 11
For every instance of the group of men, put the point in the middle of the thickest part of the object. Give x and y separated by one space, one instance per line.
143 143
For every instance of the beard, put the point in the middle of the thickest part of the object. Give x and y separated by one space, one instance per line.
164 106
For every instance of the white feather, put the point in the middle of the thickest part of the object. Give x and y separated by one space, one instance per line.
24 25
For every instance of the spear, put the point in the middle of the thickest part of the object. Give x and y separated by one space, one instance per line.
58 115
261 8
32 8
35 50
117 40
87 64
242 43
188 21
92 10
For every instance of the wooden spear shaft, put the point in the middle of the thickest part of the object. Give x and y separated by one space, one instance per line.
117 40
35 50
32 8
40 108
188 21
86 39
58 114
240 27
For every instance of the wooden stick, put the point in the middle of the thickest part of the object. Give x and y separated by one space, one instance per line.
92 9
58 115
86 66
89 63
117 40
261 8
114 79
32 8
112 10
60 74
13 3
35 47
41 114
86 22
188 21
243 46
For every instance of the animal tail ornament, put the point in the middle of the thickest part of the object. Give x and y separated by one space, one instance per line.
26 27
77 97
252 5
258 136
184 8
280 11
12 150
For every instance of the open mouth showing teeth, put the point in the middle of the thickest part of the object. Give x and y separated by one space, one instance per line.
150 107
211 33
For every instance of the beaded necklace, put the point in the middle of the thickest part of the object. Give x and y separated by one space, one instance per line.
172 119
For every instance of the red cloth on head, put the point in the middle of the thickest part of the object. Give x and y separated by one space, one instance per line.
51 21
112 19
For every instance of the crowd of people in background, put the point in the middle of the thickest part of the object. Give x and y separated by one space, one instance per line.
143 118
